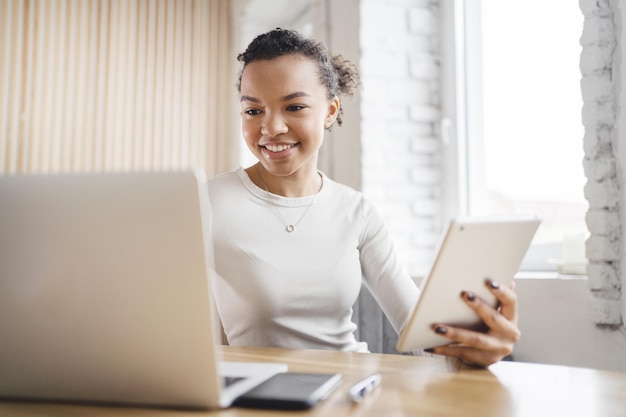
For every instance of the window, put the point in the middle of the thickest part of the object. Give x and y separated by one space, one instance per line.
518 125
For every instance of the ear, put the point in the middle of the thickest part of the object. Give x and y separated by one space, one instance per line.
333 111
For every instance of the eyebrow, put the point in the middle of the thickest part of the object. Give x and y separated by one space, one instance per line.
295 95
250 98
285 98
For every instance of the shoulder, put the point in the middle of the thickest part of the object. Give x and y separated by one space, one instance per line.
223 179
228 182
349 199
227 189
340 193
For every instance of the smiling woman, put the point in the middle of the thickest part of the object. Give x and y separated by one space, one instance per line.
292 246
287 102
283 119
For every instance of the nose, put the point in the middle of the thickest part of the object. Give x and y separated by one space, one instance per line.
273 125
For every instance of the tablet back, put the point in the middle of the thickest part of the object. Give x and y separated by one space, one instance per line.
472 251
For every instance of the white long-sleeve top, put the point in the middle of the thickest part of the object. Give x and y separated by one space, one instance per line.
296 290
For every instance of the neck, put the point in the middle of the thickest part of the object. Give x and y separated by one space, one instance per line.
287 186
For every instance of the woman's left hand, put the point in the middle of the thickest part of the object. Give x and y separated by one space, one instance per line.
483 349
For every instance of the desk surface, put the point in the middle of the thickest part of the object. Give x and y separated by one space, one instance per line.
411 386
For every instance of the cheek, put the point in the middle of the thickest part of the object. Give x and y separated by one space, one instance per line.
312 128
250 131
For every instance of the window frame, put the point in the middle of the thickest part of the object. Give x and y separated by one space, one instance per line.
461 125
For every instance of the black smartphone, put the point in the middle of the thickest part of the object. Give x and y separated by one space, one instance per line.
290 391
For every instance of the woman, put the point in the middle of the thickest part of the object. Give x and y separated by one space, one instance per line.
292 246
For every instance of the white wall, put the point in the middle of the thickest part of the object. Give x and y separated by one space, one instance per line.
400 108
557 327
619 144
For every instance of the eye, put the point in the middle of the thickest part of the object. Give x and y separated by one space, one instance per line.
252 112
295 107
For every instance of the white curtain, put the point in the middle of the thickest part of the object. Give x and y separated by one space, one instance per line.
114 85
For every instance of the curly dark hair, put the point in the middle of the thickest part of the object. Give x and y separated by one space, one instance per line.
339 75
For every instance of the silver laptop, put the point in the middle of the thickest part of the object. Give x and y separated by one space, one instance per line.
105 292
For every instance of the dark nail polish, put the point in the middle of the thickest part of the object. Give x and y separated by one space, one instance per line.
429 350
492 284
469 296
441 330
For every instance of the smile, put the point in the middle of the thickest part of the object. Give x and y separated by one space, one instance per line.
278 148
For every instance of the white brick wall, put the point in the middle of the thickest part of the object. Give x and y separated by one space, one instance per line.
603 189
400 110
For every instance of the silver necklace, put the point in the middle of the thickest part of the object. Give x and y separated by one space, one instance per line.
289 227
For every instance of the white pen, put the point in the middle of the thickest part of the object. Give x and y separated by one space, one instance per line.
359 390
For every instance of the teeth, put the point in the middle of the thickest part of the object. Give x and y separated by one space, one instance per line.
277 148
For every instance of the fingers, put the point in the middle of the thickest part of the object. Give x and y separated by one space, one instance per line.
473 348
483 349
466 338
506 297
503 342
473 357
495 319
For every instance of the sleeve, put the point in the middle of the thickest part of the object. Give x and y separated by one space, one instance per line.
383 273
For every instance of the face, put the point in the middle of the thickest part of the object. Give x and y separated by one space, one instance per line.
285 110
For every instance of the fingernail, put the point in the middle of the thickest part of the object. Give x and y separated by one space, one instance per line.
469 296
429 350
441 330
492 284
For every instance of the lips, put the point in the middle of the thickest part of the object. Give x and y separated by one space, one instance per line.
278 148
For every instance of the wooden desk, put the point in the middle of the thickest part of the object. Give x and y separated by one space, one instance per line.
411 386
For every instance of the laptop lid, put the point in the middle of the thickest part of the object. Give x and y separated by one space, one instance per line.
105 291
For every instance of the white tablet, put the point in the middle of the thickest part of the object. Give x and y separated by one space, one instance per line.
472 251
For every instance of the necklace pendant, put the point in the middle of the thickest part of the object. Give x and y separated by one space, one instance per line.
289 228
